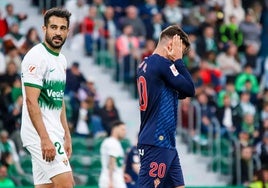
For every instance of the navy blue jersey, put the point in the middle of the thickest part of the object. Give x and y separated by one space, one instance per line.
161 83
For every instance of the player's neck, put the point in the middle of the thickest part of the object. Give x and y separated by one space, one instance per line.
56 50
160 51
115 136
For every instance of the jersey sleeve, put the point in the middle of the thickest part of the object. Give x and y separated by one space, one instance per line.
177 77
65 63
113 150
33 69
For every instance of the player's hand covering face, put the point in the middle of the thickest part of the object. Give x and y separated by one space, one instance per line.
175 49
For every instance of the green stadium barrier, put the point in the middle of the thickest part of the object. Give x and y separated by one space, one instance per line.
103 57
215 187
186 187
74 186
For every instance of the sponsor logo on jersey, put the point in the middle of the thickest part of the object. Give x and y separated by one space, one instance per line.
174 70
32 69
51 70
52 94
57 95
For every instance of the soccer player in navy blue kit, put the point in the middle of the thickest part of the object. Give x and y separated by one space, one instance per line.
162 79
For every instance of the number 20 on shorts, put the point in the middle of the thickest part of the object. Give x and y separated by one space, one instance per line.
157 170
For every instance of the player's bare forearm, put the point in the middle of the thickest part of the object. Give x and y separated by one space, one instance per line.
47 147
111 167
67 135
136 167
64 121
34 111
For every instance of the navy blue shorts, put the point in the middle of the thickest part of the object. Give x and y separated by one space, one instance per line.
160 168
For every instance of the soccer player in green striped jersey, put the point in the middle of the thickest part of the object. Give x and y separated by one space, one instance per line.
44 130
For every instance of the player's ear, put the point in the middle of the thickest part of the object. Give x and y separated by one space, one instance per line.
44 28
169 45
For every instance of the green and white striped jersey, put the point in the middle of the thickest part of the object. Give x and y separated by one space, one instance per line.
46 70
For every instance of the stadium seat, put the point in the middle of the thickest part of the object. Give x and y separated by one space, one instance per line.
97 143
80 179
104 58
26 181
93 179
79 161
125 144
26 163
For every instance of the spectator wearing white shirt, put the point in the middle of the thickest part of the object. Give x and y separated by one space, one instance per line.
79 10
233 7
172 12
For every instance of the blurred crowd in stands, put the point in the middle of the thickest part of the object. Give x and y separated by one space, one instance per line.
228 61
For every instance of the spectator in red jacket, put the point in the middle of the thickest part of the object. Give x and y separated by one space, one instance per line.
3 25
210 75
88 29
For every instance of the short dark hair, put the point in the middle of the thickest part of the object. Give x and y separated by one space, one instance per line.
173 30
58 12
75 64
194 70
114 124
